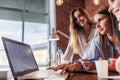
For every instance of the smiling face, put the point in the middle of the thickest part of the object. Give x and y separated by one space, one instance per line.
102 23
79 18
114 7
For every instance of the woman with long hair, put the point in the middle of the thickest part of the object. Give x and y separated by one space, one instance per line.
114 7
105 45
102 47
82 32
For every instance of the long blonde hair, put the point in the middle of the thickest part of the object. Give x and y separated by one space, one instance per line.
75 28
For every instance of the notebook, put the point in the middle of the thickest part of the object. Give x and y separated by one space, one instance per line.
23 64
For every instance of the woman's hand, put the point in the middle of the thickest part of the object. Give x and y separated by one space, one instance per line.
75 57
64 67
67 67
88 65
53 68
75 67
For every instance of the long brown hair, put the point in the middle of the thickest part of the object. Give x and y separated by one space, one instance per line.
75 28
103 39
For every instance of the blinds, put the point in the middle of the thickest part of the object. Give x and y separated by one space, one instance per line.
33 10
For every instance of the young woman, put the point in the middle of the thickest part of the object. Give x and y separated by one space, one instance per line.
82 32
114 7
102 47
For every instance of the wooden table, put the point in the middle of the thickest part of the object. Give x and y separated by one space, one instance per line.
85 76
88 76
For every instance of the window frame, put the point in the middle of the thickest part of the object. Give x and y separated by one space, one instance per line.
51 22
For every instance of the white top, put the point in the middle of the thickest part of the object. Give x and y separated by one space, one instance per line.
84 44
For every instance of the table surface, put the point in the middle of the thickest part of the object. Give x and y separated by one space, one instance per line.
89 76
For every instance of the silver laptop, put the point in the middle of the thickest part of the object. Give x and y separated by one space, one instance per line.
23 64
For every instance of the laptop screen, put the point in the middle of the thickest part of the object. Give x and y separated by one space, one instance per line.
20 57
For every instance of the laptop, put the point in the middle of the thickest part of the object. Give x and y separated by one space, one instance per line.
23 64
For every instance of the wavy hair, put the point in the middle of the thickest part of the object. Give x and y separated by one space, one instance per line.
75 28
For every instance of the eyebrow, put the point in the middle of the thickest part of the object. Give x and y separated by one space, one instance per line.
111 0
101 18
78 15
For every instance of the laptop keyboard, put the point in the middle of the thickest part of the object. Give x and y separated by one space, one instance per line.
46 74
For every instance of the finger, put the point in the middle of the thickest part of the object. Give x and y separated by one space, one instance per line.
64 69
87 63
84 65
61 66
51 67
87 68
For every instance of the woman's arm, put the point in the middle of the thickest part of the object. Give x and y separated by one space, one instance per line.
89 65
67 67
68 52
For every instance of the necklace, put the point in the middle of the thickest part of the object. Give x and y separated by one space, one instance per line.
87 40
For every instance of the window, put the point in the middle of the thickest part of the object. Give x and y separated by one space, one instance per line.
27 21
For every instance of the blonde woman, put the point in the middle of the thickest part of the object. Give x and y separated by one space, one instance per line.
82 32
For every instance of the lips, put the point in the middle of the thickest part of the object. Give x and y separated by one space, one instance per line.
100 29
81 23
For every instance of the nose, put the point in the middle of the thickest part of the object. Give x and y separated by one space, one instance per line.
110 9
79 19
97 25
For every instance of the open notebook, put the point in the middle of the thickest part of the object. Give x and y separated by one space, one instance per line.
23 64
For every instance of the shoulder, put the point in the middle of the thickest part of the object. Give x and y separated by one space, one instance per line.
96 39
94 31
94 44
